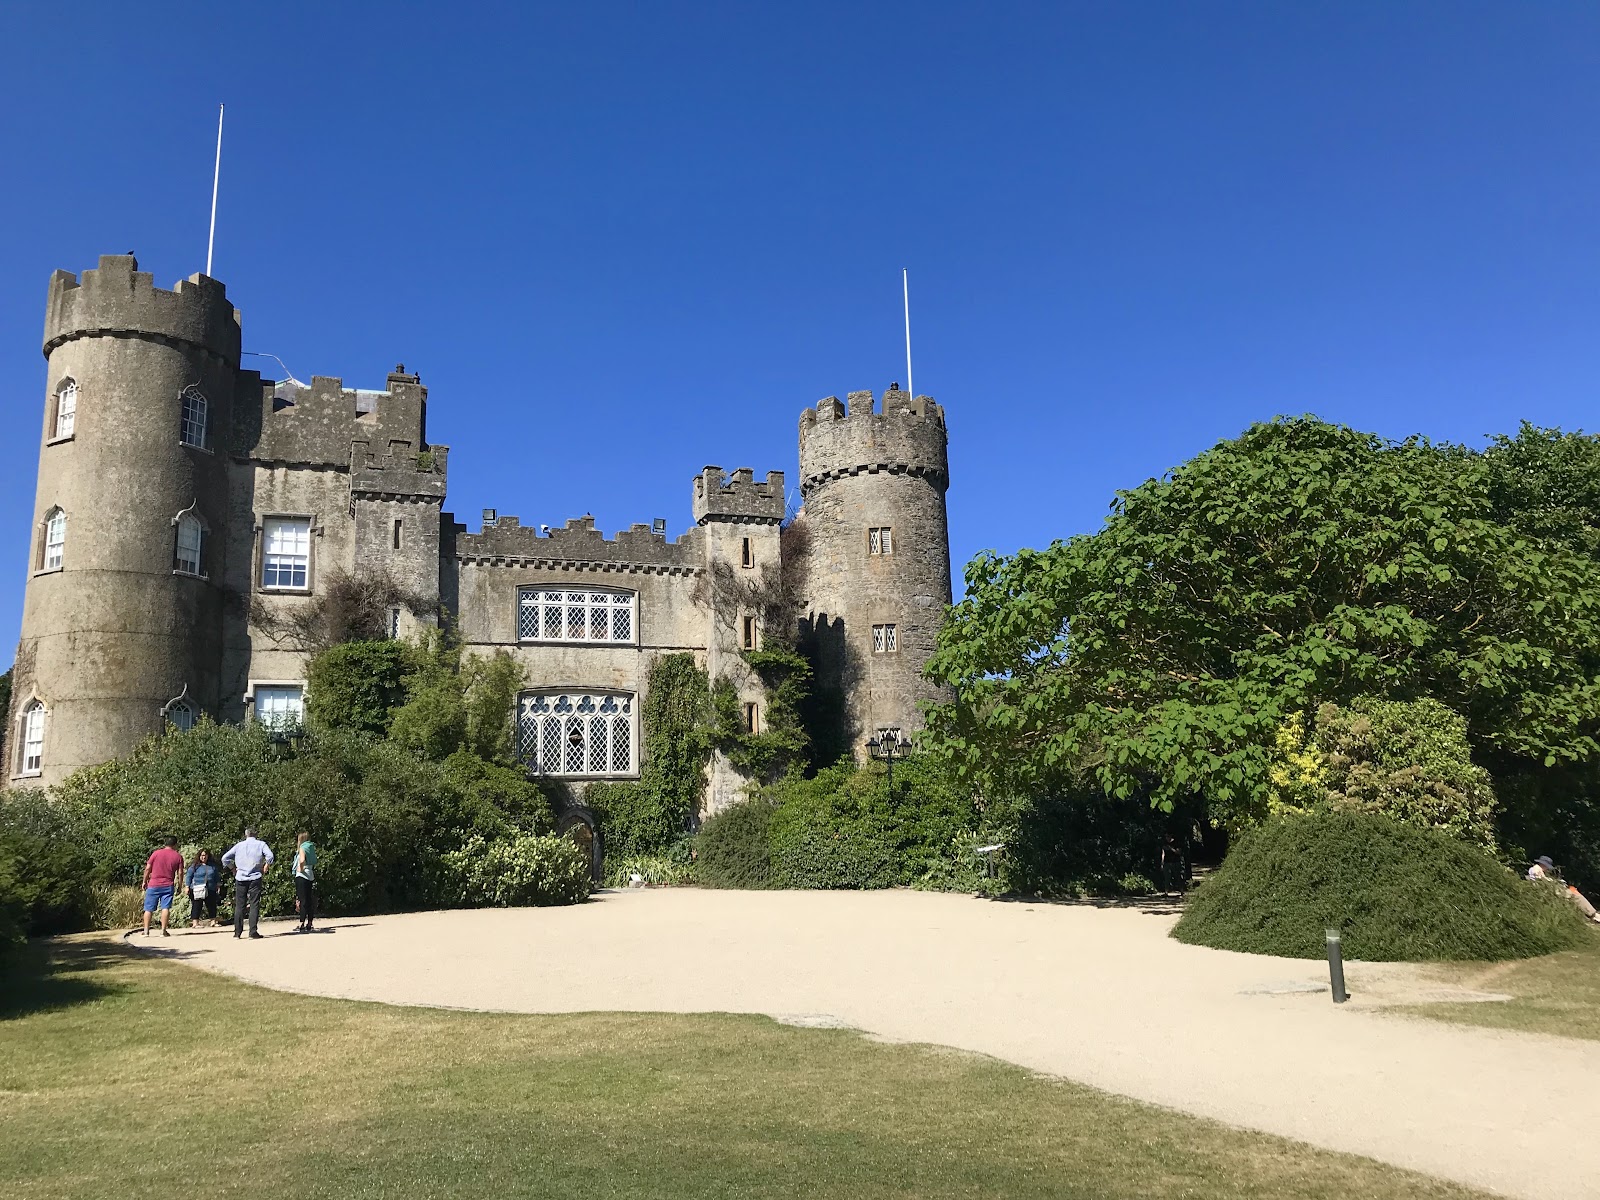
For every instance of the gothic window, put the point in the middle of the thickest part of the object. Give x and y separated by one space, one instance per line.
192 427
286 552
180 715
66 408
884 640
576 733
279 707
189 548
30 754
880 540
52 550
565 615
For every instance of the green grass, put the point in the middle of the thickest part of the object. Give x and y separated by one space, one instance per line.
1559 993
126 1076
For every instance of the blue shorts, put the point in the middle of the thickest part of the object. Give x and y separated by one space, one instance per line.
157 897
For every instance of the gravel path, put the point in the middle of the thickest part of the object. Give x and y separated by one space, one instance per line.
1098 995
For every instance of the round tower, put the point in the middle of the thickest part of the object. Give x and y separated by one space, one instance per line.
876 552
122 614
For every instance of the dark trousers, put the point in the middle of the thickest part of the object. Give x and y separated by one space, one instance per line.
206 908
306 895
246 894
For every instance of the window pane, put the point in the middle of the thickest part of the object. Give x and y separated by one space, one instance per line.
55 539
877 639
621 744
190 537
192 429
874 541
33 737
888 638
528 615
622 624
576 627
66 409
286 553
180 717
279 707
888 541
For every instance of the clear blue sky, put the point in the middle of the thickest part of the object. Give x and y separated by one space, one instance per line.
620 242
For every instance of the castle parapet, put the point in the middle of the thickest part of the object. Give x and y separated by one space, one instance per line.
119 300
738 497
578 545
419 475
907 437
318 424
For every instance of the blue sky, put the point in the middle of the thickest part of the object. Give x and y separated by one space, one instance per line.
621 242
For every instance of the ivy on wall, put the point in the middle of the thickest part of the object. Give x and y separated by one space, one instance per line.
782 744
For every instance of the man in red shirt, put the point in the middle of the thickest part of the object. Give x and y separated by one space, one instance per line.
161 876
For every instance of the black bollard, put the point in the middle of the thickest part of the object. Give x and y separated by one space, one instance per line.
1336 966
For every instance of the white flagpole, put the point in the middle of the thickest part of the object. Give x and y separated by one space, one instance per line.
216 175
905 283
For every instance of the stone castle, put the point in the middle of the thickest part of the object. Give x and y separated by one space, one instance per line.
189 512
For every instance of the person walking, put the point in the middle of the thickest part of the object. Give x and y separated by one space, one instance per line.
161 873
305 877
205 889
250 859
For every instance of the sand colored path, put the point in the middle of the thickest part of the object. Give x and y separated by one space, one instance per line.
1102 996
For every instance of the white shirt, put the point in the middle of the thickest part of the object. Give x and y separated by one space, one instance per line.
247 858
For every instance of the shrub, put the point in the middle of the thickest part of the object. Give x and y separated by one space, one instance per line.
115 906
1409 760
731 849
834 831
519 872
1398 893
51 867
357 686
657 870
636 817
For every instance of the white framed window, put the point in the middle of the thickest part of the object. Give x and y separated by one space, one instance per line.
188 556
180 715
286 552
880 540
279 706
192 423
66 408
546 614
52 551
30 752
884 640
576 733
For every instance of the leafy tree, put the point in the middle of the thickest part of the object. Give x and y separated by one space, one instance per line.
356 686
432 723
491 683
1300 563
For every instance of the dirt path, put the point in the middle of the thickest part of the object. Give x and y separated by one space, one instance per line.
1098 995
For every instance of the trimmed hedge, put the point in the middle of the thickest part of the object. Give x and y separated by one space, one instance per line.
1398 893
731 850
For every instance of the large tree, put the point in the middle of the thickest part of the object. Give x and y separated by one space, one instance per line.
1299 563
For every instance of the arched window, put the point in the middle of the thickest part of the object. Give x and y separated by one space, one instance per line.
576 733
180 715
30 750
192 430
188 556
53 546
66 408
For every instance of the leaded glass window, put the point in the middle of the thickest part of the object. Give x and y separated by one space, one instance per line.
286 552
880 540
884 640
192 425
576 733
66 409
546 614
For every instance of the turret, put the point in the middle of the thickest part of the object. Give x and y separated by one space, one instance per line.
877 553
122 618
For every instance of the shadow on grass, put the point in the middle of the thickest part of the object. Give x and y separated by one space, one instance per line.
49 976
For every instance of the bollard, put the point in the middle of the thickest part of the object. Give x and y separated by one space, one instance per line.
1336 966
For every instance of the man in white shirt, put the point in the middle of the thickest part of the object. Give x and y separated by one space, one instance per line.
250 859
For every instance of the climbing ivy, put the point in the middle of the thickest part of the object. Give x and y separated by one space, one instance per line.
782 746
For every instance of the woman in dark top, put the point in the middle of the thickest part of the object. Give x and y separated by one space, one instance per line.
204 884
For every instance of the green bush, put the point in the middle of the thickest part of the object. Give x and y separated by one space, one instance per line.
657 870
116 906
731 850
356 686
519 872
637 817
51 866
1397 892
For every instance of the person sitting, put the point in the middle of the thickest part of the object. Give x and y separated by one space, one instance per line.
1544 868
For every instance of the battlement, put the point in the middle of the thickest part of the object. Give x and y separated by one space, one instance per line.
578 544
400 476
320 423
119 300
738 497
839 438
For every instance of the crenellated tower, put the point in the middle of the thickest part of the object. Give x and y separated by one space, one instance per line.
877 553
122 613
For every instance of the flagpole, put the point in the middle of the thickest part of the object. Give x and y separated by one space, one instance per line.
905 283
216 175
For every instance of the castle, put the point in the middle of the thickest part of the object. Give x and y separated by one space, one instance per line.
189 512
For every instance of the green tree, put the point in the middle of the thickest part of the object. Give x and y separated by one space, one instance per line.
1299 563
491 683
357 686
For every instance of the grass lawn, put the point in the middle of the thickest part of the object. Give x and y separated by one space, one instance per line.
1559 993
126 1076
